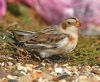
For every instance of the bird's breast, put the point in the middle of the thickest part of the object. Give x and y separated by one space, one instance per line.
68 44
72 42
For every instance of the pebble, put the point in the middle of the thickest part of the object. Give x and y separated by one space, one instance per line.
2 64
11 77
96 71
10 63
26 78
59 70
62 80
82 77
3 73
29 67
23 73
10 58
22 68
97 77
68 72
5 80
12 80
19 73
37 74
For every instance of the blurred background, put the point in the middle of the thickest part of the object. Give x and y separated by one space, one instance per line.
36 14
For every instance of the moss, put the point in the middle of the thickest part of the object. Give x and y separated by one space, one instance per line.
87 51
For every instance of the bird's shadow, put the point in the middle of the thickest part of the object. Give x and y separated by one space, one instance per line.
56 59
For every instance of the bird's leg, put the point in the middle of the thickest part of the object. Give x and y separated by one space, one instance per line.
35 54
65 57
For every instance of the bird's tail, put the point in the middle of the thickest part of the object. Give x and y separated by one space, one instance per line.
22 35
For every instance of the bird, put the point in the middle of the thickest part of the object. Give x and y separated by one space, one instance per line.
52 40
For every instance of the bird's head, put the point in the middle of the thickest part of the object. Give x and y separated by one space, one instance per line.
70 22
70 25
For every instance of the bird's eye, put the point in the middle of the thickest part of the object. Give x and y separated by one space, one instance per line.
69 22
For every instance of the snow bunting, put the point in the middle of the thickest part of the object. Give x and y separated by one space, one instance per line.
53 40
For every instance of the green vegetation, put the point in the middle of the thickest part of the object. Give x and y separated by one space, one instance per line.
87 51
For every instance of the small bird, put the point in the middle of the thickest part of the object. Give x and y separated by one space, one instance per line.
52 40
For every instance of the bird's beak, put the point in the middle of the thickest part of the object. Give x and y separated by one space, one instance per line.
78 24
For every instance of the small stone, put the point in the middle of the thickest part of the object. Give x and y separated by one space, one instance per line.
2 64
63 80
11 77
96 71
10 63
10 58
12 80
68 72
3 73
53 73
20 73
96 77
19 67
82 78
59 70
29 67
3 80
23 73
45 78
26 78
37 74
62 77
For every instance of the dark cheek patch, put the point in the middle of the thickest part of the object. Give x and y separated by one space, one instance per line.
64 26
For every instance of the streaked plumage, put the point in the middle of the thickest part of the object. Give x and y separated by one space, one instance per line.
53 40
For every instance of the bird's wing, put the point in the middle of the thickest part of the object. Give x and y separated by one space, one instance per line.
50 29
44 40
25 35
22 35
